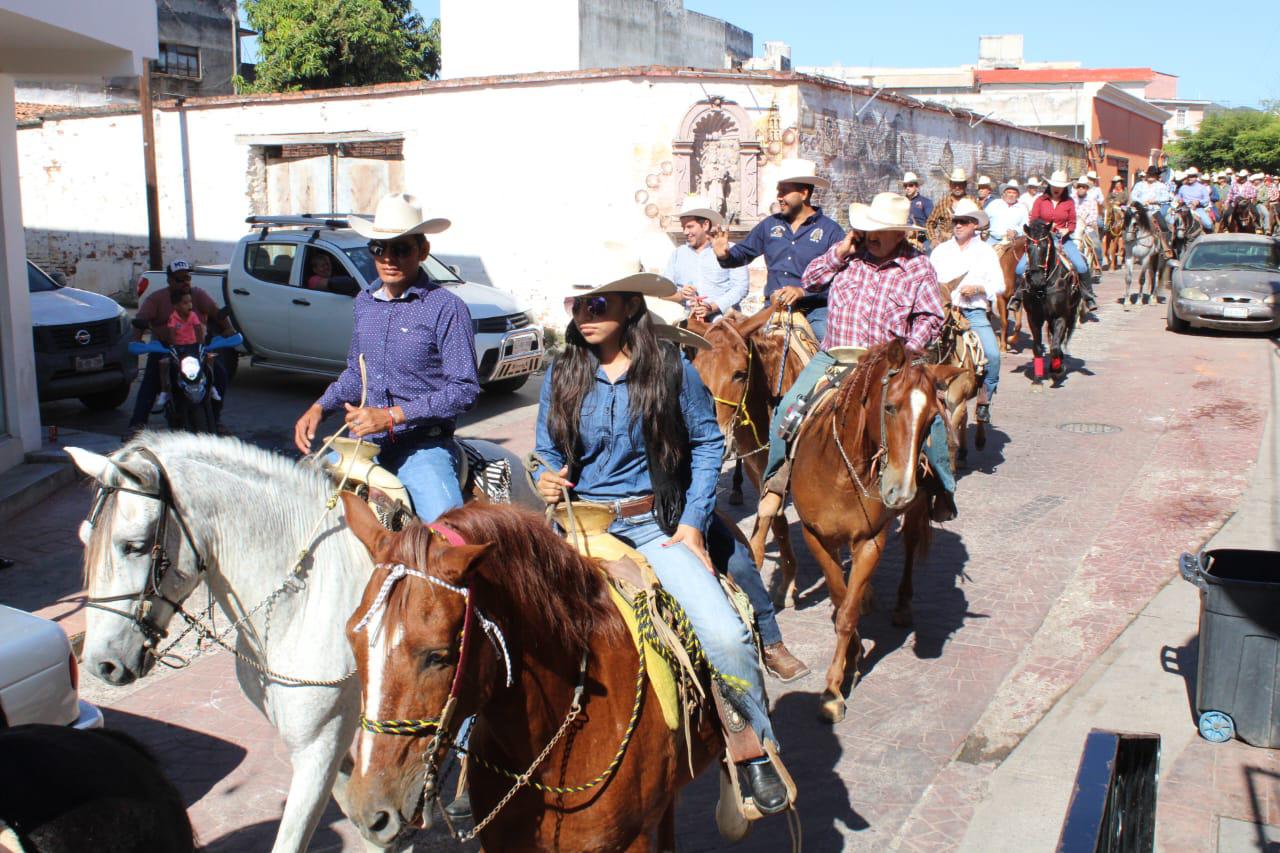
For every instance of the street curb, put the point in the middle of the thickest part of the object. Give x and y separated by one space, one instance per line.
24 486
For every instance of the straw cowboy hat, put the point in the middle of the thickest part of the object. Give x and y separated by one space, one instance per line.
958 176
966 208
696 205
796 171
1091 175
1243 173
680 336
1257 176
910 178
1083 181
398 214
643 283
1059 179
887 212
984 181
1192 170
1116 179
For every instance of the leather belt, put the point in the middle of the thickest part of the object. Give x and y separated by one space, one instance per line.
632 508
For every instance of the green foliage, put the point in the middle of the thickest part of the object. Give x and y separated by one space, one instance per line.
1235 139
324 44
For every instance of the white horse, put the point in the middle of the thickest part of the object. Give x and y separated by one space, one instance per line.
1142 249
235 517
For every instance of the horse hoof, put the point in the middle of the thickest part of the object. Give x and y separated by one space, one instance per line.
832 709
735 498
1037 388
902 618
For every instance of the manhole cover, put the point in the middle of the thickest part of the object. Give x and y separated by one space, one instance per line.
1088 428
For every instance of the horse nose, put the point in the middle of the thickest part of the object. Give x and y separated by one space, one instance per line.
112 672
381 827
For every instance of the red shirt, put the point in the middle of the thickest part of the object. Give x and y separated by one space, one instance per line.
1061 215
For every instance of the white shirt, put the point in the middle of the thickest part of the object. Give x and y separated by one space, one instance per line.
1007 217
979 265
723 288
1095 193
1028 200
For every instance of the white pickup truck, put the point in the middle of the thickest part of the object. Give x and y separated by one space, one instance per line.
290 325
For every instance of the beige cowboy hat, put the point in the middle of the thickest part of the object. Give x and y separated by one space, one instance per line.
887 212
696 205
398 214
1012 182
678 335
984 181
1083 181
958 176
1033 181
1257 176
1059 179
797 171
643 283
1091 175
1243 173
1116 179
1192 170
967 209
910 178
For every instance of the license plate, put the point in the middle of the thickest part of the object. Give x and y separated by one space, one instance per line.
90 362
519 367
519 346
1235 312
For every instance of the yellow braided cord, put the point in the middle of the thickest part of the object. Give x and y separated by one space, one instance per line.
398 727
684 630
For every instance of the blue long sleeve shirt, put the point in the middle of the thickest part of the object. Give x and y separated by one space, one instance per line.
419 353
786 253
613 465
1196 192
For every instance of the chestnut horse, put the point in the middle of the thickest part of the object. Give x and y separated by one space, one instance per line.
1113 234
856 468
741 370
489 613
954 350
1010 252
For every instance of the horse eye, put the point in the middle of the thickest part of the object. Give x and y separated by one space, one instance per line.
435 658
890 409
740 376
134 549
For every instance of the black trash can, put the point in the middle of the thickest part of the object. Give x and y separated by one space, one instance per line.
1238 677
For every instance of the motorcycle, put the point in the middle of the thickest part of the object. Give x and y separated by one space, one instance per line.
190 404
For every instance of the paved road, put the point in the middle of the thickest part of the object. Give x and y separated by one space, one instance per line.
1065 534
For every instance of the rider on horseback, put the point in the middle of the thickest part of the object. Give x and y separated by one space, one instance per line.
420 361
1195 196
965 255
624 420
1057 209
882 290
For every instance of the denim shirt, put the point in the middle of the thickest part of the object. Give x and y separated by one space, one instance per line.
613 461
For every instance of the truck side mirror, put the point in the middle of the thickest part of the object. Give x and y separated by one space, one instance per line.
455 269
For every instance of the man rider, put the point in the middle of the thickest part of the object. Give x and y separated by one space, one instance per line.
880 291
921 207
419 351
1008 218
1195 196
1154 195
704 287
789 240
154 314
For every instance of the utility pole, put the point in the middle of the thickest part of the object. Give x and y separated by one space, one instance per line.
149 167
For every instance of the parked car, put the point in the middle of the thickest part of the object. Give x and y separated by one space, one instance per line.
1227 281
291 326
39 676
81 342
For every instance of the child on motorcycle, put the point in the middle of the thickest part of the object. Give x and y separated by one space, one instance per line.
186 331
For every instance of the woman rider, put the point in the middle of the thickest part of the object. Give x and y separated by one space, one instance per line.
1056 208
624 420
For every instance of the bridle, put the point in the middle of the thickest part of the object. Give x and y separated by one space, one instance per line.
145 600
883 451
741 417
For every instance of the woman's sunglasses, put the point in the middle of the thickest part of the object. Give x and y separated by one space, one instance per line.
595 306
398 249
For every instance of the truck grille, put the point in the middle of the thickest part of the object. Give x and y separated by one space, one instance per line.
505 323
76 336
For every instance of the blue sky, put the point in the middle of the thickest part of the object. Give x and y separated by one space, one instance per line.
1234 62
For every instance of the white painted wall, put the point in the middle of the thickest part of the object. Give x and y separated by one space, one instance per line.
482 38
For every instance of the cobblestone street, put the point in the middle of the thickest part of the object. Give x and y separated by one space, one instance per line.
1071 522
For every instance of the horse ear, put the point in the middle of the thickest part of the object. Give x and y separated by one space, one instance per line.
364 524
755 322
698 327
896 353
460 561
104 469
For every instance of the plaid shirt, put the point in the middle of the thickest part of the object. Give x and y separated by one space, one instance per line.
1245 190
874 302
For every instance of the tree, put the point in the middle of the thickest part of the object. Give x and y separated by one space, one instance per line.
324 44
1232 139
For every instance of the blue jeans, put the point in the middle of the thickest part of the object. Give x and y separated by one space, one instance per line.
981 325
1203 215
725 639
814 309
1070 249
936 451
731 556
429 471
1265 216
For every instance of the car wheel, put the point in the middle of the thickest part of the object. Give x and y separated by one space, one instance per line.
105 400
507 386
1174 323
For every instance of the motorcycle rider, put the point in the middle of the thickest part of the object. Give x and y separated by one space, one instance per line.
154 314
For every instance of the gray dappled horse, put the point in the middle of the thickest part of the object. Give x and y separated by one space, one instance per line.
1143 250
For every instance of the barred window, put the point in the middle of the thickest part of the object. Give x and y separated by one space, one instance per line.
178 60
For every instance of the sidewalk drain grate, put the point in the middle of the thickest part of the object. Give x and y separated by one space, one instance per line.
1088 428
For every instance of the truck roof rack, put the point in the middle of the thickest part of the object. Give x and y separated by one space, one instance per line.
319 221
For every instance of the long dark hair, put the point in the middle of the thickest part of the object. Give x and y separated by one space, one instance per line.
649 388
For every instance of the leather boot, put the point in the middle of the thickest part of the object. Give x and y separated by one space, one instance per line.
783 665
460 808
942 504
773 491
760 781
983 413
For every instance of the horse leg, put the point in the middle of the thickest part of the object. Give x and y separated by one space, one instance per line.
735 492
915 533
959 421
866 554
786 561
315 766
1037 354
827 555
667 830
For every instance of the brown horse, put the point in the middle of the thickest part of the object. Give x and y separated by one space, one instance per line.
1010 253
1241 218
498 617
856 468
1113 234
741 370
956 351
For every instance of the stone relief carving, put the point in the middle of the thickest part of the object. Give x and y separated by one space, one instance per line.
718 155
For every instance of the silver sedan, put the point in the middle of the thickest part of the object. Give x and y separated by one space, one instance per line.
1229 282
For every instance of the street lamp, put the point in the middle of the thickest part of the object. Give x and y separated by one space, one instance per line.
1100 146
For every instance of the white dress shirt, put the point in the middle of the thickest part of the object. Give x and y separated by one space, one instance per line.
723 288
979 265
1006 217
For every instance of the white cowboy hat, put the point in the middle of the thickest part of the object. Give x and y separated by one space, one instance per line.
967 209
1179 175
887 212
643 283
1117 179
984 181
398 214
1257 176
1083 181
797 171
1059 179
1011 183
1192 170
1033 181
1091 175
682 337
1242 173
696 205
958 176
910 178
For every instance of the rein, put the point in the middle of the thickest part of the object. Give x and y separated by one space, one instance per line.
883 451
741 417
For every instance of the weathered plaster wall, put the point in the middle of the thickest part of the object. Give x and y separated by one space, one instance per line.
656 32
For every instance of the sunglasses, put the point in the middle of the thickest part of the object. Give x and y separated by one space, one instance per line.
398 249
595 306
182 279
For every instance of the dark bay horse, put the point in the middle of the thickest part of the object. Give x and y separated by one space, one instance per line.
1187 228
496 616
856 468
747 371
1052 298
1242 217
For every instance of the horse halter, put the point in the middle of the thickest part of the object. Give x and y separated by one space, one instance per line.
740 415
143 613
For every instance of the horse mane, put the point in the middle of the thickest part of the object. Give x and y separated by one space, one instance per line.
561 596
1141 215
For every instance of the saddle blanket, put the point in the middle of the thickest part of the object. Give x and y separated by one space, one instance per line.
661 677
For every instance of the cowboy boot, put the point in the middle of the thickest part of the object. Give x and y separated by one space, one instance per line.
983 409
1015 301
783 665
773 491
762 784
